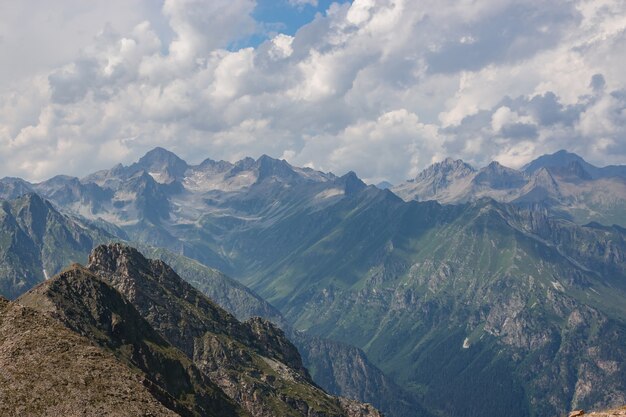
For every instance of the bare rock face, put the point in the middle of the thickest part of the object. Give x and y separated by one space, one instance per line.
273 340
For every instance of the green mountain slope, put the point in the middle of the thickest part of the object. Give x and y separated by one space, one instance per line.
533 300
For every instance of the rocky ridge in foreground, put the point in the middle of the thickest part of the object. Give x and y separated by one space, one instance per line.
178 352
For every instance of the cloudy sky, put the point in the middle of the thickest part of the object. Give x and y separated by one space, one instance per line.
381 87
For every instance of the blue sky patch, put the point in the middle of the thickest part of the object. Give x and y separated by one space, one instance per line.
279 16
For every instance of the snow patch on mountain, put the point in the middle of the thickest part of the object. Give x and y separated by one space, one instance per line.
159 177
331 192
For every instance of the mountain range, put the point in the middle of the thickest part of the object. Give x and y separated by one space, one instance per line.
564 182
479 292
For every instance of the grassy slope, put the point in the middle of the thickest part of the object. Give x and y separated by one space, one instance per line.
408 283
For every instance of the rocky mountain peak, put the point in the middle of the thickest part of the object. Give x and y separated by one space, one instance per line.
351 183
558 160
115 257
541 188
497 176
269 167
59 184
447 169
11 188
92 308
163 165
384 185
438 178
64 189
160 155
148 282
32 211
244 164
572 171
34 201
218 166
497 168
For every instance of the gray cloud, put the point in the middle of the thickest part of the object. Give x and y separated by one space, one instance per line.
71 83
597 83
514 33
520 131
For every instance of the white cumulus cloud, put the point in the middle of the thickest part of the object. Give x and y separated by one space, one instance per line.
381 87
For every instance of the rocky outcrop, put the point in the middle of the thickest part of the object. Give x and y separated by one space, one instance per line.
437 180
273 343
